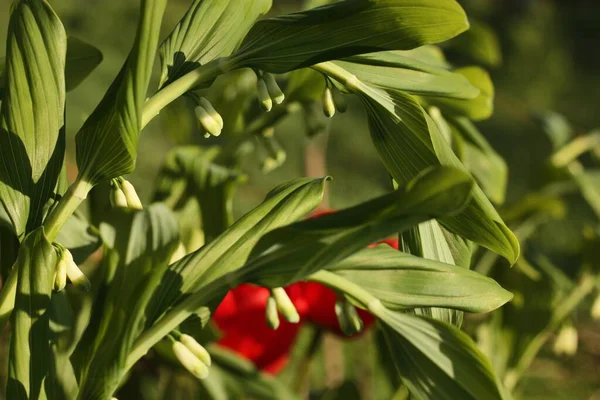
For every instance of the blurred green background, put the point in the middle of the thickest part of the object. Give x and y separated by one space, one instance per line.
550 60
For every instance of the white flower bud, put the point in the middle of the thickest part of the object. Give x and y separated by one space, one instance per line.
285 305
207 121
74 273
271 314
196 348
60 277
274 90
133 200
328 104
264 98
118 198
207 105
595 311
566 341
190 361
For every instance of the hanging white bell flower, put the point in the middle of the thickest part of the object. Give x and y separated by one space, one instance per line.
189 360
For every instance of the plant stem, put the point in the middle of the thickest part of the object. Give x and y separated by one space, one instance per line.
574 149
72 199
366 299
74 196
179 87
341 75
566 306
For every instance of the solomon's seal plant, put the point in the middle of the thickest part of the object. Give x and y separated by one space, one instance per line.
164 268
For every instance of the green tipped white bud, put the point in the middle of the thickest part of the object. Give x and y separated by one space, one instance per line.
269 165
117 197
274 90
207 105
179 253
285 305
190 361
207 121
595 311
74 273
328 103
133 200
340 101
264 98
566 341
60 276
196 348
271 314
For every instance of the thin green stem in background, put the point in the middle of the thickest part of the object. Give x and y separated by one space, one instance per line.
566 307
574 149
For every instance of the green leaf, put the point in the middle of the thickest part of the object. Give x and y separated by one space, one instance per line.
556 127
408 141
480 159
82 59
209 29
144 242
438 361
478 108
293 252
404 281
32 113
400 70
30 360
107 142
347 28
229 251
479 44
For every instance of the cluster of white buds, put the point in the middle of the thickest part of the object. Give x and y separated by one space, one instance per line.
191 354
210 120
123 195
276 156
269 91
280 301
348 317
566 341
66 268
333 100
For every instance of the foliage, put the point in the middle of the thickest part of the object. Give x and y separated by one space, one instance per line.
163 268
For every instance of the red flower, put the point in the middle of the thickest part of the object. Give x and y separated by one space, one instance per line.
241 318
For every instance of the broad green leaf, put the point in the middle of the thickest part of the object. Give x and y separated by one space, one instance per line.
209 29
408 141
478 108
404 281
32 113
293 252
347 28
228 252
480 159
479 44
398 70
438 361
107 142
30 360
144 242
82 59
